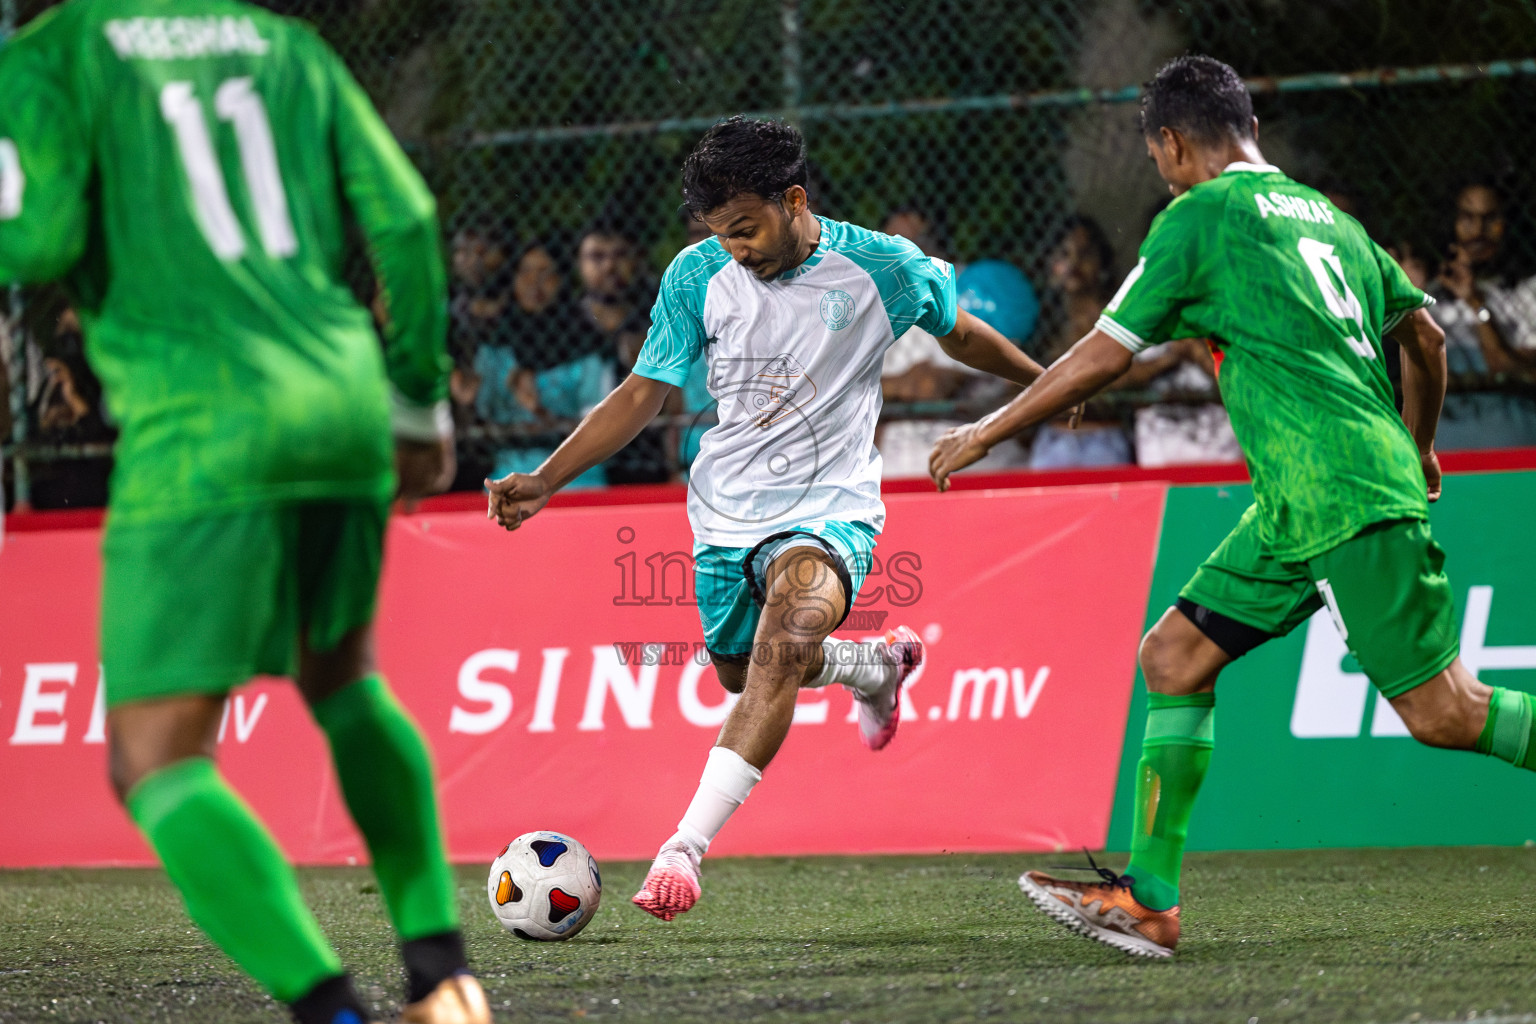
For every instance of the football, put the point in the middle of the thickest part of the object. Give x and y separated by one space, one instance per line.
544 887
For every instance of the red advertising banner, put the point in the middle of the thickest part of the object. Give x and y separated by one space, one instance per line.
555 673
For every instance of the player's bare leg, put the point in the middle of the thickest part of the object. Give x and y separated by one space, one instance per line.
873 671
1449 710
146 736
1180 664
804 603
386 777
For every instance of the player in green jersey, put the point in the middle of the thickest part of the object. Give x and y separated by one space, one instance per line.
186 167
1296 299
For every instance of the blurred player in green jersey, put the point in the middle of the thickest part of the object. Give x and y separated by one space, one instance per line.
1295 299
186 166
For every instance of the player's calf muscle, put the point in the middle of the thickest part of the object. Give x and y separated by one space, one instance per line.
1448 710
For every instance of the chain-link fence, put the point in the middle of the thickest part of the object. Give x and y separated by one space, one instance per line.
997 134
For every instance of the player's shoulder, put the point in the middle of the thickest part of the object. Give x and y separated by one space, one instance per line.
876 253
36 62
1274 194
1209 200
46 34
687 277
697 263
862 244
1241 193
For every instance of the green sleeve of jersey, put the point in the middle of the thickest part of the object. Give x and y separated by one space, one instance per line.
398 217
1402 295
1168 276
45 164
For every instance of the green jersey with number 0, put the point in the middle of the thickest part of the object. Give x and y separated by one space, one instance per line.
186 166
1296 298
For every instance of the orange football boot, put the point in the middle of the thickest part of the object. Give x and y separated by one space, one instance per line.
1105 911
458 1000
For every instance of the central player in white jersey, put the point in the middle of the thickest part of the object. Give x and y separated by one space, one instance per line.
793 314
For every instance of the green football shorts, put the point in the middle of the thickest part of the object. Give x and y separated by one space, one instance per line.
1385 588
200 605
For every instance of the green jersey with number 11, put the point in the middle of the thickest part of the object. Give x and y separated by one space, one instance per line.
186 165
1296 297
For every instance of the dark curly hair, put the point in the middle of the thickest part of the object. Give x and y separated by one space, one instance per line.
740 156
1199 96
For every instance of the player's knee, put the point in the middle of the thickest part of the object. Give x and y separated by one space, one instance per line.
126 770
1159 662
732 672
804 599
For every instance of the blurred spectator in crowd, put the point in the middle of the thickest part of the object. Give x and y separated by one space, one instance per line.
543 368
1082 279
921 227
616 301
1487 309
1482 295
917 370
612 299
479 304
65 408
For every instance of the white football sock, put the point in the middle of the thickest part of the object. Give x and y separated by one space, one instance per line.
863 668
724 786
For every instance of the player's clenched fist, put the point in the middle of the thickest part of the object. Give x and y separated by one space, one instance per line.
515 497
958 448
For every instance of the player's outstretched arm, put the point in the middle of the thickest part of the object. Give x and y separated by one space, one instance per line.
1091 365
980 346
602 432
1423 345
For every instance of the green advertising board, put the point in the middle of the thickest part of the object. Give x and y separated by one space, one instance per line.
1306 753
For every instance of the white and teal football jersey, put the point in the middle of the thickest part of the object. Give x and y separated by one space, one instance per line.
794 364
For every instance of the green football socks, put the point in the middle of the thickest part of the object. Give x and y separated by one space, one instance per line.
1507 733
1174 757
386 778
237 886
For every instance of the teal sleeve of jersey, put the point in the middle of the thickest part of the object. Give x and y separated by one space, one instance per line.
917 290
677 334
1167 276
45 165
398 217
1401 295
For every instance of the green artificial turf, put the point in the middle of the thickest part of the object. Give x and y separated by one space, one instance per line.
1350 935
